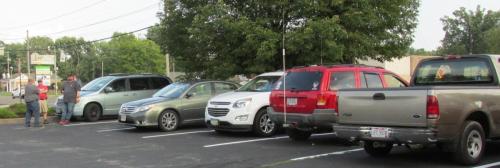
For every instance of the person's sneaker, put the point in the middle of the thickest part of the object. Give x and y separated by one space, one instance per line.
61 122
46 122
66 122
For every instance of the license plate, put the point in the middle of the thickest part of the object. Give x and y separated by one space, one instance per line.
214 122
377 132
291 101
123 117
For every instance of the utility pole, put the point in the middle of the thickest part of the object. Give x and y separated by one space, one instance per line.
20 77
8 71
167 62
55 69
28 53
284 67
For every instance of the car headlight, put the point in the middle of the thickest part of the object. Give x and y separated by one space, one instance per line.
242 103
143 108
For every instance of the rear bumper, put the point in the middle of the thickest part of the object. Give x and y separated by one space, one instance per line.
319 119
227 126
401 135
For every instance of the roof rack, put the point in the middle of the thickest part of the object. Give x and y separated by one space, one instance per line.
345 65
127 74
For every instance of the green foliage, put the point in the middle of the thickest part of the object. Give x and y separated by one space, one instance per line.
420 51
217 39
18 109
466 31
6 113
492 39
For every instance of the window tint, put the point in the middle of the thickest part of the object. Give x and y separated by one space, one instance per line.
393 81
309 80
139 84
373 80
223 87
342 80
201 90
118 85
158 83
459 71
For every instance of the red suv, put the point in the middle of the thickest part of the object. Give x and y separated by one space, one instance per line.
310 95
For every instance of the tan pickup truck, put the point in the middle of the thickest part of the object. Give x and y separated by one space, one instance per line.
452 101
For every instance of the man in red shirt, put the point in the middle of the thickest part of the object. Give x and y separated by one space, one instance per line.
43 100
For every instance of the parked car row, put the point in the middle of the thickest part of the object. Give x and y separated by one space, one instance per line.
450 101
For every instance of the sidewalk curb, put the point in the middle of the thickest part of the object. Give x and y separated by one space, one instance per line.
7 121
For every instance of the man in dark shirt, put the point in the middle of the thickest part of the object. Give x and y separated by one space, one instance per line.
32 107
71 96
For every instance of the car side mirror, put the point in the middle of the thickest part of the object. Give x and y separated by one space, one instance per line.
108 89
188 95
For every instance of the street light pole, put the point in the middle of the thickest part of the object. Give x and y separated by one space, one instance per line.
28 53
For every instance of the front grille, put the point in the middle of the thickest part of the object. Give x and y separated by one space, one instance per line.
127 109
218 112
219 103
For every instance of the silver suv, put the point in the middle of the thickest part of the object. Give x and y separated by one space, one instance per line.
103 96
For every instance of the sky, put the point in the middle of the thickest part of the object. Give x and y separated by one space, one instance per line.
95 19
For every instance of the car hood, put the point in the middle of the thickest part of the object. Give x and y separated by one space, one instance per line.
147 101
235 96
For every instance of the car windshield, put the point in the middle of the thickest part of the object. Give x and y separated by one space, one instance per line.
259 84
173 90
97 84
301 81
456 71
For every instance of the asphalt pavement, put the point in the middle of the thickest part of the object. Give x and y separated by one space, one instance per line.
110 144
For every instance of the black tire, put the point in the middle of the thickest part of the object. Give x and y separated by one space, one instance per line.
377 149
471 144
92 112
298 135
262 124
168 120
221 132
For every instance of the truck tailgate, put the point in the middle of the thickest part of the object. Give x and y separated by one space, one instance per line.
383 107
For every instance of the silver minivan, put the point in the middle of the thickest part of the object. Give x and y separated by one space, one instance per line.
103 96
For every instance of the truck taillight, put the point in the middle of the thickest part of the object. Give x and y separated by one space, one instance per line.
321 100
432 107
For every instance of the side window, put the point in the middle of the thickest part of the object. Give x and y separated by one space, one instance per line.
201 90
342 80
118 85
223 87
158 83
139 84
373 80
393 81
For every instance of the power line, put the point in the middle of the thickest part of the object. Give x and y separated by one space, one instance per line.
87 42
55 17
95 23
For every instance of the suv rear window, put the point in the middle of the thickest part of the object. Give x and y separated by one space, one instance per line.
458 71
302 81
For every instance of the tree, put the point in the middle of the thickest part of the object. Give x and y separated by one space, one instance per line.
217 39
492 39
465 31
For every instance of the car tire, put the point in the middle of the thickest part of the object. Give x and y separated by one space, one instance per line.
471 144
298 135
92 112
168 120
377 148
262 124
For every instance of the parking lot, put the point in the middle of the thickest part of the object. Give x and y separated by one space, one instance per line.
110 144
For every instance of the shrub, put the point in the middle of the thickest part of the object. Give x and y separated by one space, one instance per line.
18 109
6 113
52 111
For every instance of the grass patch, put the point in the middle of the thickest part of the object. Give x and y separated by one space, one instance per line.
5 94
18 110
5 113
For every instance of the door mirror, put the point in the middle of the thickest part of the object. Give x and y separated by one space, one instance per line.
108 89
188 95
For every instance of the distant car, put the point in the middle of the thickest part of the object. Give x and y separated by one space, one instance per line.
244 110
104 96
17 94
174 105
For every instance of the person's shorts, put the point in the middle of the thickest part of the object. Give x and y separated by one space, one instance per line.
43 106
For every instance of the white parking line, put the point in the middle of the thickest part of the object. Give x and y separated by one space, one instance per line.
257 140
488 165
326 154
91 123
173 134
118 129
